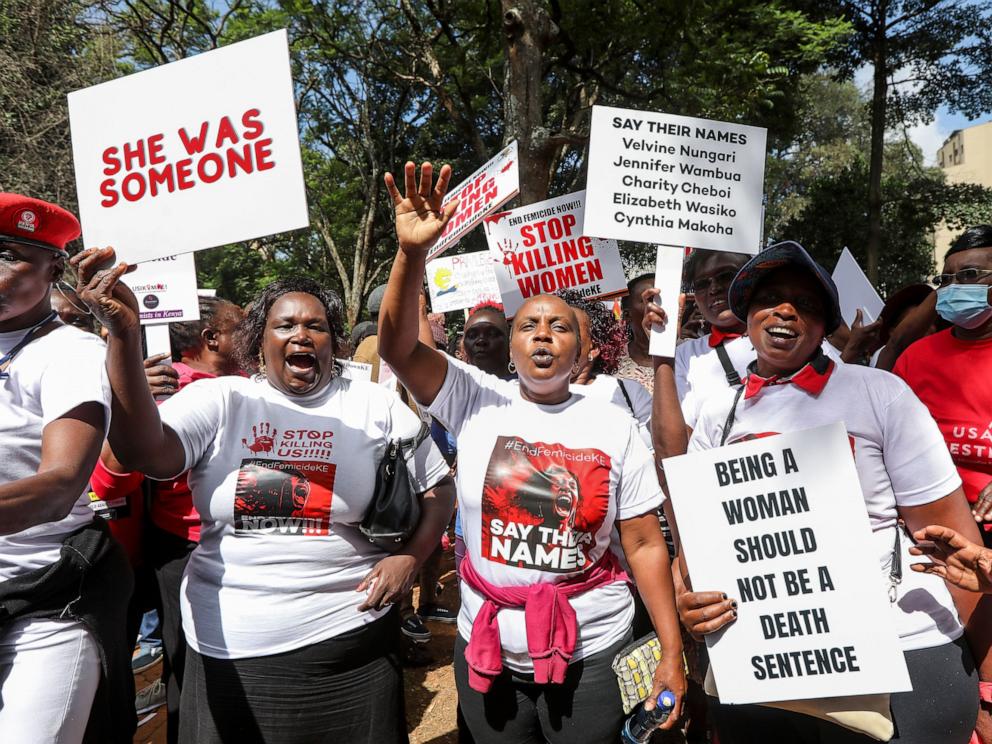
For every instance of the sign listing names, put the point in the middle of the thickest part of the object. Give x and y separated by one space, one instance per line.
675 180
779 523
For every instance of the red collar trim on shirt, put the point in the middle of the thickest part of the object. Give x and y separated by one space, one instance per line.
718 337
812 377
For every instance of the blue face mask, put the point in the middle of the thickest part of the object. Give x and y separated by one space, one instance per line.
964 305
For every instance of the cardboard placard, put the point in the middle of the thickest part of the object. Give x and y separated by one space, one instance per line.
667 278
352 370
193 154
780 524
543 248
479 195
678 180
855 291
465 280
166 289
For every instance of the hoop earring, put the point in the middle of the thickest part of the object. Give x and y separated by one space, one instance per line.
511 367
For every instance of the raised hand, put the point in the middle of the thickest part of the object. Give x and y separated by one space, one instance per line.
420 217
163 380
953 558
864 340
111 301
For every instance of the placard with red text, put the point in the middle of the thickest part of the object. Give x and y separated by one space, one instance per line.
541 249
190 155
482 193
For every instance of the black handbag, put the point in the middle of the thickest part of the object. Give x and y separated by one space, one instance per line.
394 512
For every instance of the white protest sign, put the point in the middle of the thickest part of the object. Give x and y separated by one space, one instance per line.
457 282
166 289
779 523
660 178
482 193
193 154
667 278
351 370
157 340
542 248
855 290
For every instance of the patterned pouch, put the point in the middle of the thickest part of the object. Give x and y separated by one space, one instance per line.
634 667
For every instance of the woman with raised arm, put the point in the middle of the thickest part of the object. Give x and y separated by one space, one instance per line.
543 476
285 604
789 303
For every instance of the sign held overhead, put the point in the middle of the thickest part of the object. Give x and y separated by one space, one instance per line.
676 180
479 195
190 155
458 282
543 248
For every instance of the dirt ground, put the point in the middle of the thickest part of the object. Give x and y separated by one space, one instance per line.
430 689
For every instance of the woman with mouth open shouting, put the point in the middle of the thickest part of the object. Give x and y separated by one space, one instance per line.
285 604
543 474
789 304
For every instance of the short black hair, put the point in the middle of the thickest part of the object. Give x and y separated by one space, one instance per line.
978 236
248 337
186 335
625 301
696 258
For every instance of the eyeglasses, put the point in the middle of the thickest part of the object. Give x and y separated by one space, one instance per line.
965 276
722 279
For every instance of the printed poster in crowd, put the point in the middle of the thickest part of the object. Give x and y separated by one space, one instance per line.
677 180
465 280
166 289
543 248
855 291
779 523
479 195
190 155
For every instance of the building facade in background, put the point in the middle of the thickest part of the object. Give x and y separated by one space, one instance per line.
965 157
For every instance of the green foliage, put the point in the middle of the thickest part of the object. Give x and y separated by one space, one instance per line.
817 187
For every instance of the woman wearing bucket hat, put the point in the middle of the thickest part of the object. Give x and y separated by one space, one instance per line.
790 303
64 583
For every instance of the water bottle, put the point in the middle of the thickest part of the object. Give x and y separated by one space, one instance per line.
638 728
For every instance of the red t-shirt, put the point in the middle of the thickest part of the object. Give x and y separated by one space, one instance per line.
118 498
953 378
172 502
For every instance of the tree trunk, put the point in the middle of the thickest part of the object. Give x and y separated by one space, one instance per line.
879 99
529 30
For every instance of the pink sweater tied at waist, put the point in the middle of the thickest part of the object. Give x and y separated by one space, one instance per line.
549 617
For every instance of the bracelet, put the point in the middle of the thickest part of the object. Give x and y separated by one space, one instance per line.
985 692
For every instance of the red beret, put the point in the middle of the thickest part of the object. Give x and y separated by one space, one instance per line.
36 222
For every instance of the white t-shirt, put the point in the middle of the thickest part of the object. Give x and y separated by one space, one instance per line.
49 377
281 484
699 373
901 461
540 487
607 387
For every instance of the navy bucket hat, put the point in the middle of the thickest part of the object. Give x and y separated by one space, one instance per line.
780 255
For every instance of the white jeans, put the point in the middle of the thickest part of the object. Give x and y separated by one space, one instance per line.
49 672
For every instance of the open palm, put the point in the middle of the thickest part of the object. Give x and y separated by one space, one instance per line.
420 216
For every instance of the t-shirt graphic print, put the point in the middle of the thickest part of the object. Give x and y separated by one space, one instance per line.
542 504
291 495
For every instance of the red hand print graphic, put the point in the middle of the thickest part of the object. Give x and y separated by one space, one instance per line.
263 438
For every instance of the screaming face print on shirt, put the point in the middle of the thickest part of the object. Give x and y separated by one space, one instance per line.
542 504
290 494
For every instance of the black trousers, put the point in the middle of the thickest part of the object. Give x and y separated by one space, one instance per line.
586 709
941 709
168 555
345 689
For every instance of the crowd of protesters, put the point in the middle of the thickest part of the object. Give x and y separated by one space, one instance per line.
205 512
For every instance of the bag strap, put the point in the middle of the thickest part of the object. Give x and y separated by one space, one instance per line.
626 395
733 379
730 416
415 441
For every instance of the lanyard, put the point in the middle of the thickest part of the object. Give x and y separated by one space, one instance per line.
28 338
